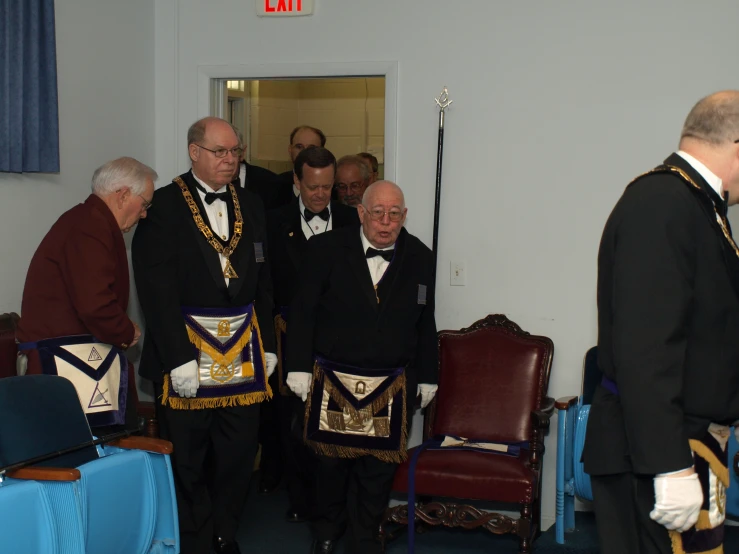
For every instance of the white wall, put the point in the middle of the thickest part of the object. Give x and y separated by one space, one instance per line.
105 67
556 107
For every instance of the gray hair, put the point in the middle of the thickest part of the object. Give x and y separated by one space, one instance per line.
122 172
714 119
357 161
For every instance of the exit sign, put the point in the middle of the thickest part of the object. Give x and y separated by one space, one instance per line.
275 8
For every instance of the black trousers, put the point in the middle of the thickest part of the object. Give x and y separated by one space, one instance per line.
270 436
351 495
213 458
622 504
299 459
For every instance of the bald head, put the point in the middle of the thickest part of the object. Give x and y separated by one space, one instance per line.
714 120
383 189
382 213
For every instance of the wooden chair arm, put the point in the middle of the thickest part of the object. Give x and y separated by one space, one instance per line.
565 402
46 474
158 446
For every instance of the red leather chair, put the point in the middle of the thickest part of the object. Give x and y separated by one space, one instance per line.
8 348
493 384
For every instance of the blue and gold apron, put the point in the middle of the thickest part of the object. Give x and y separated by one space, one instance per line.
354 412
232 370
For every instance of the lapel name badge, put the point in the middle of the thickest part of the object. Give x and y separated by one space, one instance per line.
422 294
259 251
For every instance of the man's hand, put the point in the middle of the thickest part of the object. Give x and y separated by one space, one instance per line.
299 383
136 335
185 379
678 500
271 360
427 392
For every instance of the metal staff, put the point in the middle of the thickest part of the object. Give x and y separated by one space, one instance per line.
443 102
50 455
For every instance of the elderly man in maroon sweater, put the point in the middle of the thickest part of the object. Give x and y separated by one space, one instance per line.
73 315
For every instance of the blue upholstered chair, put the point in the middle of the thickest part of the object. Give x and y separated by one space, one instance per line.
572 481
119 502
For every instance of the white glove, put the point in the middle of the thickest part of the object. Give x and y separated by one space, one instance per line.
299 383
678 501
427 393
185 379
271 360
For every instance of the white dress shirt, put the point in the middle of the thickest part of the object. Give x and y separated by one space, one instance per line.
707 174
216 214
377 264
316 226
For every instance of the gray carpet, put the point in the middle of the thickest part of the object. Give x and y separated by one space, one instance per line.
264 531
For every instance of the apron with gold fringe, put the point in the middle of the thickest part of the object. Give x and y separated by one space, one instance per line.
354 412
231 364
710 458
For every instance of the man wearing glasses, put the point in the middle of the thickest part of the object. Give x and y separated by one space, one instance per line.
204 285
289 230
76 293
352 178
362 346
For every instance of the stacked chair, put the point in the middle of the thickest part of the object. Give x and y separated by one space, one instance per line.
115 498
572 481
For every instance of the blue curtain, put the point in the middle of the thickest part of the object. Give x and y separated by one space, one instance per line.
29 114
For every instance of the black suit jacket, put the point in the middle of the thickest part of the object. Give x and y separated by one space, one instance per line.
284 194
335 312
668 317
174 266
287 244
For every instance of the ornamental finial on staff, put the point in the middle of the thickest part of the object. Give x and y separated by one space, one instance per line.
443 100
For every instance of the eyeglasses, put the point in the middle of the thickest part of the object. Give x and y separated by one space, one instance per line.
377 214
354 187
221 152
147 204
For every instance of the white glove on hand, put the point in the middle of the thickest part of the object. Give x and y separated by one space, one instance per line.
427 393
271 363
299 383
185 379
678 501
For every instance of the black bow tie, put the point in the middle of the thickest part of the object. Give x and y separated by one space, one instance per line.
387 255
211 197
324 214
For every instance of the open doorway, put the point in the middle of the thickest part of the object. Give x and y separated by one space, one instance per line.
350 111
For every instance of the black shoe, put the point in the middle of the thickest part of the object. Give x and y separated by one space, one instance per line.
267 486
294 516
322 547
221 546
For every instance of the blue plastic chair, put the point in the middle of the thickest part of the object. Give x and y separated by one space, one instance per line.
572 481
123 501
572 420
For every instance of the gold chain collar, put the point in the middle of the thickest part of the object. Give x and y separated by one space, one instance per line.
228 271
685 177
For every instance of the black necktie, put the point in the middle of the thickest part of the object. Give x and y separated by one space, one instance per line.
211 197
324 214
387 255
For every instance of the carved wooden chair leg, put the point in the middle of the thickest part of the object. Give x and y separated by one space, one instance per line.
422 526
524 528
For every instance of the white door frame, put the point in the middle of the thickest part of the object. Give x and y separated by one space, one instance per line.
257 71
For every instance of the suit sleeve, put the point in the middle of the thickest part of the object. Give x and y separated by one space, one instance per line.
653 281
154 255
314 271
89 270
263 300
